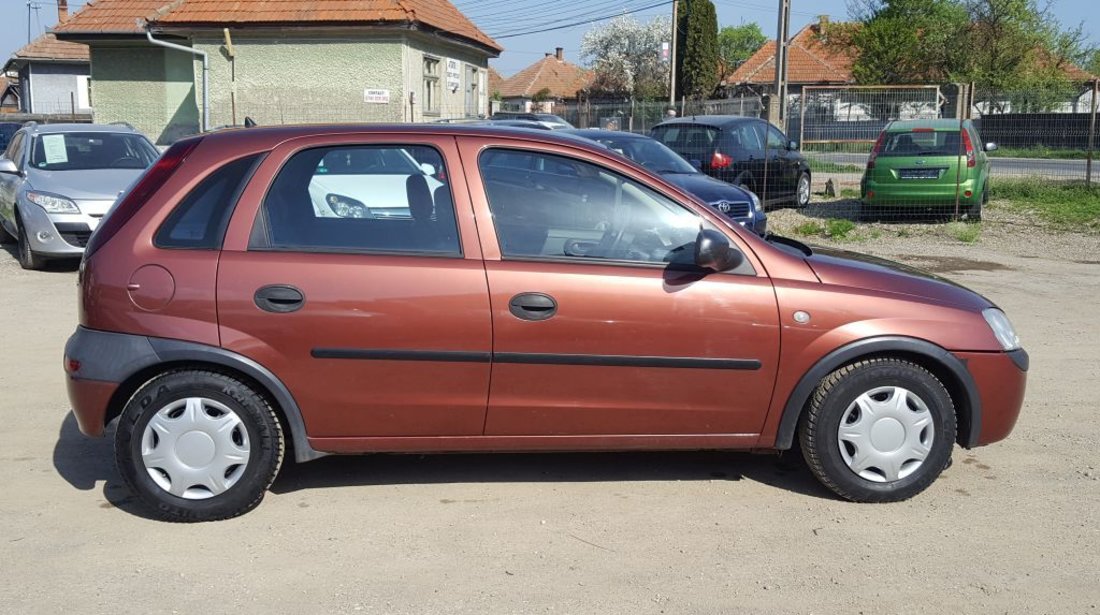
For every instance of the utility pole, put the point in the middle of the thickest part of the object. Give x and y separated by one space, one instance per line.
672 58
28 22
782 30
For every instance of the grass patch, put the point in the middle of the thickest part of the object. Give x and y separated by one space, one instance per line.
1068 204
1039 152
850 193
965 232
809 229
826 166
838 228
859 147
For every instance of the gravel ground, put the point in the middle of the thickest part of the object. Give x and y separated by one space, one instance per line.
1010 528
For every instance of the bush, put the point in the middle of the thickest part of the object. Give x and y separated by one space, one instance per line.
838 228
966 232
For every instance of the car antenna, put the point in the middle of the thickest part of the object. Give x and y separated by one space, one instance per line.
249 122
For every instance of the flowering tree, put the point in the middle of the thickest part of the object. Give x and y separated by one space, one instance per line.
626 60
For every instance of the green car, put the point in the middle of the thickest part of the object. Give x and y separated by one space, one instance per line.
928 164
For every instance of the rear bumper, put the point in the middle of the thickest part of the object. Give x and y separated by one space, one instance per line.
918 192
1001 380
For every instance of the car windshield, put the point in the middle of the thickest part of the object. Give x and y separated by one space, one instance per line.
648 153
368 161
83 151
922 143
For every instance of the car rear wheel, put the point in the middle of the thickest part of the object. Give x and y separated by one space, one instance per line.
879 430
198 446
27 258
802 194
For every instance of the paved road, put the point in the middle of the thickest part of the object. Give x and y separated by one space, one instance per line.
1001 166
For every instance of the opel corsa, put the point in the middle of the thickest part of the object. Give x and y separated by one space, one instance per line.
306 291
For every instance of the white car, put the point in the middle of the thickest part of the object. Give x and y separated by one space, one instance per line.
367 183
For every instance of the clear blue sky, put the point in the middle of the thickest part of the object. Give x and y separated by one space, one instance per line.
501 17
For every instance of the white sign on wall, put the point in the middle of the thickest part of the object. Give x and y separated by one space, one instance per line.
454 75
377 97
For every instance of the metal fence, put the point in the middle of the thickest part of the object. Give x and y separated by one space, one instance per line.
641 116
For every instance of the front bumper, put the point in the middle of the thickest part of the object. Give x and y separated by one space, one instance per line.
57 235
1001 379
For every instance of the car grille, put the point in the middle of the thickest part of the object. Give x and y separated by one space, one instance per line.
930 173
732 209
74 234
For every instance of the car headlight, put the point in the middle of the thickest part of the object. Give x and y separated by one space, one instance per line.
52 203
347 207
1002 328
755 202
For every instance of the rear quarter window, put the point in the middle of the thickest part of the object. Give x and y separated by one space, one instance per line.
199 221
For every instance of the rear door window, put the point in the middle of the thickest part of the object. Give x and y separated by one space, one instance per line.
200 219
922 143
360 198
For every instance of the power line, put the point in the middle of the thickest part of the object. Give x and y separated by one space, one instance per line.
584 22
536 18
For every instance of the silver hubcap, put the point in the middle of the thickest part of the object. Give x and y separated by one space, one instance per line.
886 434
195 448
803 191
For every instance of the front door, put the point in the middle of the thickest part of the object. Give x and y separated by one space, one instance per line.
357 289
599 327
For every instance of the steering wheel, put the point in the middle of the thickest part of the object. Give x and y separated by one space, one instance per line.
116 161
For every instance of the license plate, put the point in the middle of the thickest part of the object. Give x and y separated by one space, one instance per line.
919 173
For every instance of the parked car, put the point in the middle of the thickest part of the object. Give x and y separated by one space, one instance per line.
930 164
743 151
58 180
611 309
548 120
7 130
736 202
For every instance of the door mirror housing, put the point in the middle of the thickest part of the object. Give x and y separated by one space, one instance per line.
713 251
793 146
698 164
8 167
991 147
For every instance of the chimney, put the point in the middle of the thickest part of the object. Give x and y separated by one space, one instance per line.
823 22
62 11
559 53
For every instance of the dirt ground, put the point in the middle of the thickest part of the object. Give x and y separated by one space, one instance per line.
1010 528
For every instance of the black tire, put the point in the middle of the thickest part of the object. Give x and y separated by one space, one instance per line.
830 404
6 237
802 199
974 212
27 258
257 418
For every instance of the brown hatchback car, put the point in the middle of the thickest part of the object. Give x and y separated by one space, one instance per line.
348 289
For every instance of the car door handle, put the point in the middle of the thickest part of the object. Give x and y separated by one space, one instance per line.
532 306
279 298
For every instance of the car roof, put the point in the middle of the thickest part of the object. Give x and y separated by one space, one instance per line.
717 121
599 133
74 127
270 136
937 124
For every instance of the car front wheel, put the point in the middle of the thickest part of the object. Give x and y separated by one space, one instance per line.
198 446
802 194
27 258
879 430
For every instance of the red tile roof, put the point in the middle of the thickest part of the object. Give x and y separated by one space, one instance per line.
109 17
809 61
563 79
48 48
495 81
112 16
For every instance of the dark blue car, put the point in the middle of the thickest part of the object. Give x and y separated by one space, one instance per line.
737 203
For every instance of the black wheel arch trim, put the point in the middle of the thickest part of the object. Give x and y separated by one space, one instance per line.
116 357
971 412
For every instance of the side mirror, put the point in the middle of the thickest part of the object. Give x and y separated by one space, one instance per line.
990 147
713 251
793 146
7 166
698 164
428 168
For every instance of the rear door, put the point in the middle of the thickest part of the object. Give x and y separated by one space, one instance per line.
357 279
782 167
598 329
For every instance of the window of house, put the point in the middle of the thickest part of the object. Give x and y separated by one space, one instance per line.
360 198
431 95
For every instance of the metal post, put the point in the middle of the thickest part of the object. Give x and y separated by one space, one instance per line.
781 30
672 57
1092 133
802 117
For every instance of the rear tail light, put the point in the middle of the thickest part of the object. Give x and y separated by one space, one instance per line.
875 150
971 159
720 161
146 186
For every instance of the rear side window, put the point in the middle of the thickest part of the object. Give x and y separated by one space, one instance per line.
360 198
693 142
922 143
200 219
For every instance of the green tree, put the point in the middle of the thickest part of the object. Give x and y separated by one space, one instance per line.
1092 64
697 49
737 44
907 41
